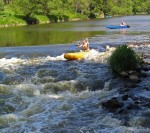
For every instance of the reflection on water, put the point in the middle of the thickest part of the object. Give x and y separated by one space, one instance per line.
123 31
68 32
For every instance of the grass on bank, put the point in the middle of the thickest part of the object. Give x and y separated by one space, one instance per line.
9 18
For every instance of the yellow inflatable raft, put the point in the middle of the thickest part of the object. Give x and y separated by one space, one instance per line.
75 56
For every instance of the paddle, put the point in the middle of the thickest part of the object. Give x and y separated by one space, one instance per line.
74 48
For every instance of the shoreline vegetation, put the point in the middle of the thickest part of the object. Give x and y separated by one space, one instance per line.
21 22
127 81
26 12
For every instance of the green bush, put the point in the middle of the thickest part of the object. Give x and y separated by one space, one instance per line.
41 18
124 59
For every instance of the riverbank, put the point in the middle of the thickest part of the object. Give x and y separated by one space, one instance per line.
131 104
10 20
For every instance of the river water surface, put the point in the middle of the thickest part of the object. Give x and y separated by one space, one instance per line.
41 92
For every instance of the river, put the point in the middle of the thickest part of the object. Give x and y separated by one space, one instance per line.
41 92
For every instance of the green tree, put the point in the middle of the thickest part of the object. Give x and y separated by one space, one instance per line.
121 7
43 7
96 7
136 6
25 7
107 7
1 6
7 1
148 7
65 9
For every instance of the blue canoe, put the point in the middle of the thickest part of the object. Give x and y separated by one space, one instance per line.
117 26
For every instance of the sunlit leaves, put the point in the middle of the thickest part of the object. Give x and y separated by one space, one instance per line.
61 8
1 6
25 7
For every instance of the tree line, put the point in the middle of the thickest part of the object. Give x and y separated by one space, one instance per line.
71 9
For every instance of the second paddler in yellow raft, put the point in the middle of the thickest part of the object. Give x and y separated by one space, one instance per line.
85 48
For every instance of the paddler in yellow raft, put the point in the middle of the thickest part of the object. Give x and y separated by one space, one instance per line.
84 45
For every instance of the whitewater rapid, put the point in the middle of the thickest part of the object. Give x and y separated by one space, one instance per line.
51 95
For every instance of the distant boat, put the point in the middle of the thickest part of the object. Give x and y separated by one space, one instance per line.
117 26
108 16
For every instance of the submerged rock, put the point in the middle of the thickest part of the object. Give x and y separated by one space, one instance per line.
112 104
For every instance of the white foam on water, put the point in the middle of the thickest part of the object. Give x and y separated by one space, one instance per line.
7 119
122 129
44 111
36 111
14 63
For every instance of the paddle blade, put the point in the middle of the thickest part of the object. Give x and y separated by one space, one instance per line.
73 48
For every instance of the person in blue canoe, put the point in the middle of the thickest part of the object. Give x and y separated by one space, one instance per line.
123 23
84 45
